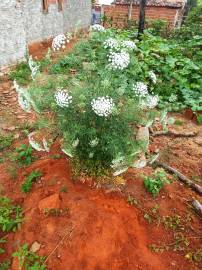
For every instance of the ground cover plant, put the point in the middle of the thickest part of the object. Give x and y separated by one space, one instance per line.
154 183
29 260
24 155
10 215
29 180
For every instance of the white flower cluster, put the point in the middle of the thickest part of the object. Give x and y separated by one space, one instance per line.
153 77
172 98
59 42
150 102
128 44
33 67
36 145
103 106
94 142
117 45
62 98
112 44
140 89
119 60
97 28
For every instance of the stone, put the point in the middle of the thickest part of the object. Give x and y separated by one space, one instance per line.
198 141
16 136
140 163
12 128
35 247
143 135
21 116
6 92
51 202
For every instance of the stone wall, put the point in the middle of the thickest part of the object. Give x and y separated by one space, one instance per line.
24 21
119 14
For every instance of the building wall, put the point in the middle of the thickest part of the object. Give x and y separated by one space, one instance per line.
12 32
24 21
119 14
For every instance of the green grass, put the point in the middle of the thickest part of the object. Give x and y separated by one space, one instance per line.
21 74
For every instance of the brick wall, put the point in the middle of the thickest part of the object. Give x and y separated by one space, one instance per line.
119 14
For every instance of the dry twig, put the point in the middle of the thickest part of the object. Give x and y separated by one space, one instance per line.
180 176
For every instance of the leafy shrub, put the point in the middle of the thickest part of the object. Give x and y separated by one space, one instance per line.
24 155
99 107
29 260
21 74
29 180
10 215
154 183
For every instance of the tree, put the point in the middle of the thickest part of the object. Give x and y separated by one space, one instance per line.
130 10
142 17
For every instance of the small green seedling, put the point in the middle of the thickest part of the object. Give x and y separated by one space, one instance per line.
178 122
2 241
64 189
5 265
154 183
29 260
131 200
24 155
10 215
29 180
199 119
5 141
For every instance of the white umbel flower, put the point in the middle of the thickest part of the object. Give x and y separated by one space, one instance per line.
94 142
103 106
112 44
97 28
62 98
149 102
59 42
119 60
33 67
140 89
153 77
129 45
172 98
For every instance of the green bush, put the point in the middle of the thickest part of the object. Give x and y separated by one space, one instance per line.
99 140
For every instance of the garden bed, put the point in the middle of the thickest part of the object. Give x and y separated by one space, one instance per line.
82 222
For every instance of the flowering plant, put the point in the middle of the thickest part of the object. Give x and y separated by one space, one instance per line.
98 109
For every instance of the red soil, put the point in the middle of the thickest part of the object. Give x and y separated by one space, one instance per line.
101 230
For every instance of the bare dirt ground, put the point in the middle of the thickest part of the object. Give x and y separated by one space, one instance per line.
118 228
